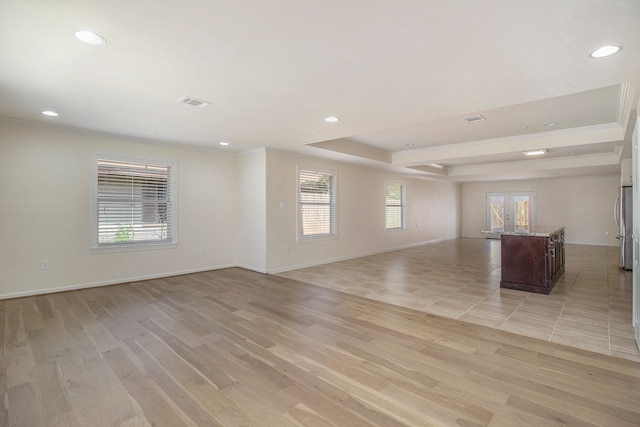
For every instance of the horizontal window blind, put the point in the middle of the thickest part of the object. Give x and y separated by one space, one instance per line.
394 203
316 203
134 202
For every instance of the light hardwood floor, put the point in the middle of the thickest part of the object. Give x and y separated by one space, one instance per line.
237 348
589 308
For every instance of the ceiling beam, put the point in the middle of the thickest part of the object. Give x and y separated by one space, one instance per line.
528 166
555 139
354 148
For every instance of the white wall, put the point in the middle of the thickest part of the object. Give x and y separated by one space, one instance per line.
433 213
240 209
584 205
252 190
45 210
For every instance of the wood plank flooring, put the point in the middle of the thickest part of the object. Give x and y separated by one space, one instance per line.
237 348
589 308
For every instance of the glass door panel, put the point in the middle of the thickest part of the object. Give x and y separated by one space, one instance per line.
495 214
521 212
512 211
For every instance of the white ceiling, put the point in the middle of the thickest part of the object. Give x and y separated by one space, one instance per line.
396 73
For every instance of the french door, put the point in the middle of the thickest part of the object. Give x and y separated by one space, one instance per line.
512 211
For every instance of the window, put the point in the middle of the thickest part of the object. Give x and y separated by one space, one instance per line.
316 203
134 202
394 205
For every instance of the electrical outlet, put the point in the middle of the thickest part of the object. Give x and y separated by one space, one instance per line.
44 264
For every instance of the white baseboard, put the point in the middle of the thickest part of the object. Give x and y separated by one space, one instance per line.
252 268
359 255
198 270
109 282
613 245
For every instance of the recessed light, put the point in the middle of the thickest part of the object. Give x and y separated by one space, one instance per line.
89 37
605 51
549 125
409 145
223 143
50 113
535 152
331 119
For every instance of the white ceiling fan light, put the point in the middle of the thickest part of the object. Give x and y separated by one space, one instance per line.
604 51
89 37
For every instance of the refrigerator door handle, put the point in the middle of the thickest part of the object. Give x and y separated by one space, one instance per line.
616 211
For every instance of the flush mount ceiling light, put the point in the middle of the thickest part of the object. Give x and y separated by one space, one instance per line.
331 119
50 113
194 102
605 51
535 152
478 118
89 37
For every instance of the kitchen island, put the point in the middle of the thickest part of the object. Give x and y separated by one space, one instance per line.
533 259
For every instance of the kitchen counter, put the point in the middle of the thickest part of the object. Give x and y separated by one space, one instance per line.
532 260
537 231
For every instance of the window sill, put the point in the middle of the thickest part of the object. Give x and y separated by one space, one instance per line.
133 247
303 239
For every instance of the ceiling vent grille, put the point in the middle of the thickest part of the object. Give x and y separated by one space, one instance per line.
477 118
194 102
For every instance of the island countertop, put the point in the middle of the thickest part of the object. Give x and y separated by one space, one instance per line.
534 231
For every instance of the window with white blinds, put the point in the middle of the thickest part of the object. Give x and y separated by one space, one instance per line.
134 202
394 205
316 203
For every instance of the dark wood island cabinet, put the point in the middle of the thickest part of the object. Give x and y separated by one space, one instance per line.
532 261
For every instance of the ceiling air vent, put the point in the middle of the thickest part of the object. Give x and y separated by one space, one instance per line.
477 118
194 102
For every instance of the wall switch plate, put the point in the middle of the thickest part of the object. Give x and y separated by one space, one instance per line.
44 264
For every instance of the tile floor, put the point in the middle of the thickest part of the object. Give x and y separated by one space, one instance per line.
589 308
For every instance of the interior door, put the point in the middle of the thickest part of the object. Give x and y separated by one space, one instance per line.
513 211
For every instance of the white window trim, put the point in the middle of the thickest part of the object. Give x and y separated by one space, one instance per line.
130 247
317 237
404 204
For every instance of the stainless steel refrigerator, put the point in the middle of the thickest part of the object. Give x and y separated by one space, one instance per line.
624 219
